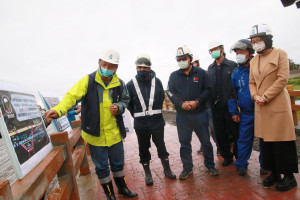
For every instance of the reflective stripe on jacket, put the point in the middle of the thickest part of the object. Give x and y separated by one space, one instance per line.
147 122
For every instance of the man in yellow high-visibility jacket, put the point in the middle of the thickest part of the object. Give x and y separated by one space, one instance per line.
104 99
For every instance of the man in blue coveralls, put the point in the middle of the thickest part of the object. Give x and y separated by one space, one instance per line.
240 97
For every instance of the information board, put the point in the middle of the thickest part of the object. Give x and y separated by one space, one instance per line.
22 128
61 124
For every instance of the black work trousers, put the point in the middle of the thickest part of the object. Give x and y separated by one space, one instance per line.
144 137
226 130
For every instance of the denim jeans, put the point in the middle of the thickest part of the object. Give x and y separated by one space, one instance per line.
101 155
186 124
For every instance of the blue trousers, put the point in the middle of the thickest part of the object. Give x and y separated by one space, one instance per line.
245 140
210 125
186 124
101 155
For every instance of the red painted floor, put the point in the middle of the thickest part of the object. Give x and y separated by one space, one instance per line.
199 185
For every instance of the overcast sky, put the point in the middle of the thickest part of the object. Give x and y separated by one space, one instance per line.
49 45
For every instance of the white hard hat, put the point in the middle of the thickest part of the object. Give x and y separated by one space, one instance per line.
214 44
260 30
110 55
195 58
183 51
143 60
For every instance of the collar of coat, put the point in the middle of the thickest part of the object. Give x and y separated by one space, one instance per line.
271 65
193 70
114 82
224 63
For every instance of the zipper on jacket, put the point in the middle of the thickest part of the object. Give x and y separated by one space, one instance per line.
187 86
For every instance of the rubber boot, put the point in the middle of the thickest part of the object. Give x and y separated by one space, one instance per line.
109 191
122 187
167 170
148 175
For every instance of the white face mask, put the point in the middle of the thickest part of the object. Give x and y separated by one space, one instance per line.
241 59
259 47
183 64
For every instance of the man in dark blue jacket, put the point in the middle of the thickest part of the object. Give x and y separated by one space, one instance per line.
240 97
219 75
189 89
146 100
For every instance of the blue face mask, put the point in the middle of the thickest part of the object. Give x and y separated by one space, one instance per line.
142 74
105 72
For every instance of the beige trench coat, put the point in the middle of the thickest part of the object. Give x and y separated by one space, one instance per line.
273 121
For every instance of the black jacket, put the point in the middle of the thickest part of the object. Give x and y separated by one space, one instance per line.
228 67
148 122
191 87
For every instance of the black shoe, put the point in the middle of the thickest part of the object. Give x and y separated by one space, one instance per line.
122 187
109 191
213 171
262 171
200 150
167 170
227 161
271 180
242 172
287 183
185 173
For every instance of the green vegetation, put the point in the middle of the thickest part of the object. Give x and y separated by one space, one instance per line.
295 82
293 66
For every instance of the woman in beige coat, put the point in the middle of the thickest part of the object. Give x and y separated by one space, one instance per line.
269 75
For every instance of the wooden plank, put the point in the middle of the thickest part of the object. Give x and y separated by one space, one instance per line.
295 93
296 107
5 190
87 147
74 136
290 87
35 184
76 123
67 169
84 167
77 157
64 190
